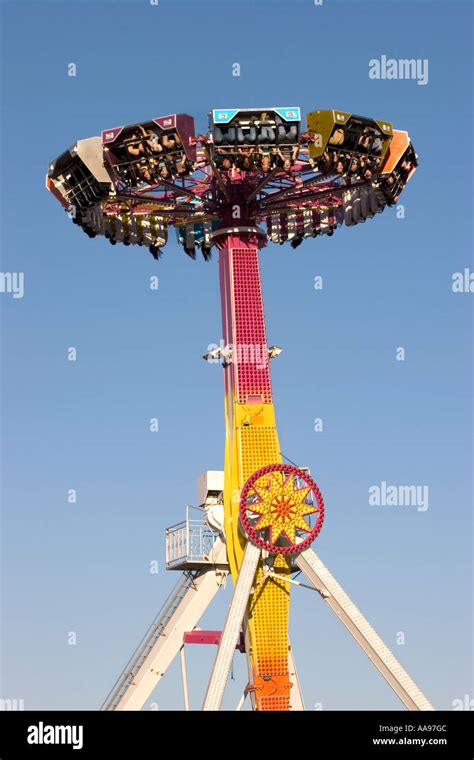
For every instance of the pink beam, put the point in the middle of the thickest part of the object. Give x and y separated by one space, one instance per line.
209 637
243 319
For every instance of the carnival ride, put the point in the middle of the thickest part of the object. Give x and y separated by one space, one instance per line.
254 177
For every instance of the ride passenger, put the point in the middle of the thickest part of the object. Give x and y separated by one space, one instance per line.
250 135
164 171
267 132
181 166
226 138
286 162
285 135
323 163
135 148
295 153
354 166
225 164
168 141
377 145
337 137
266 163
365 168
153 142
363 142
246 164
145 174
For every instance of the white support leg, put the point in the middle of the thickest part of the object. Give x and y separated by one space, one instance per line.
296 695
371 643
165 639
233 626
184 678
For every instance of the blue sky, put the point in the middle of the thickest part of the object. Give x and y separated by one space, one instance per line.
85 424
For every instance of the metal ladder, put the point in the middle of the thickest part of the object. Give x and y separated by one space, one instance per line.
152 635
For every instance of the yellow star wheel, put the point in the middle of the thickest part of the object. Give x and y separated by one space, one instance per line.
275 495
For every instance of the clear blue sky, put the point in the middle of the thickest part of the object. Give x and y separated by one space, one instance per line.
387 283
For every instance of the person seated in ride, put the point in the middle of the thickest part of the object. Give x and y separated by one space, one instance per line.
353 166
297 240
191 252
265 159
377 145
294 153
365 168
153 142
168 141
265 163
284 162
164 170
181 165
288 135
243 153
284 134
225 164
405 167
288 159
250 135
329 160
333 157
391 187
363 142
324 162
224 138
245 163
145 171
278 157
337 137
206 251
135 147
220 155
267 131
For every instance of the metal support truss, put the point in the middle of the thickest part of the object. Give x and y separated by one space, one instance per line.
232 628
370 642
182 612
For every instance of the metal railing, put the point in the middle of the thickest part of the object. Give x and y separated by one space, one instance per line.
190 541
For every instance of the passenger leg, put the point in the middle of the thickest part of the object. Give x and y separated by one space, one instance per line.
251 136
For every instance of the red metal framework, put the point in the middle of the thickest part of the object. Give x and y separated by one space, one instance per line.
205 189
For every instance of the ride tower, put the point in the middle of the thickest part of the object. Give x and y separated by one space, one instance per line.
254 177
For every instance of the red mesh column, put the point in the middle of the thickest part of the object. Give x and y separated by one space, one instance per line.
243 320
